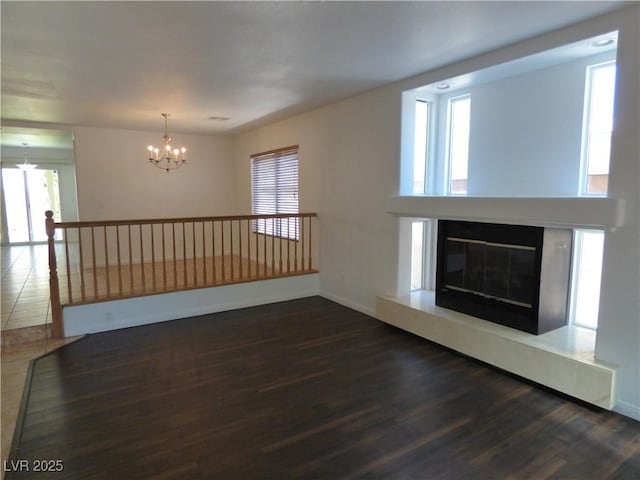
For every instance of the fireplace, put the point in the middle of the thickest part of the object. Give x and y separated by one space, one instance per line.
514 275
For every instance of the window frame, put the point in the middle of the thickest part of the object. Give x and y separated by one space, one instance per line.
576 278
427 135
284 163
428 252
586 125
449 141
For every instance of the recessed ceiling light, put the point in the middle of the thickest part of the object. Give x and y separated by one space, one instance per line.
219 119
443 86
603 42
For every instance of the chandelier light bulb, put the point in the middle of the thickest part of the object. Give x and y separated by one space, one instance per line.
170 158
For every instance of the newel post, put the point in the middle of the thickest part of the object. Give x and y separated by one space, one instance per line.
54 287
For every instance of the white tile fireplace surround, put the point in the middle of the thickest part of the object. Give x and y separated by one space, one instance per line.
562 359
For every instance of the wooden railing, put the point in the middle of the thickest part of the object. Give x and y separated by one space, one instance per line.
108 260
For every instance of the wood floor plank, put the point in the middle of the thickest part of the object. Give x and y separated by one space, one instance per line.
302 389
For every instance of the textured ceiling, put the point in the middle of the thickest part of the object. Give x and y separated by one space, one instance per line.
120 64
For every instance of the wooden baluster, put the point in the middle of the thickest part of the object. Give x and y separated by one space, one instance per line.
213 241
302 243
204 254
119 261
164 260
131 261
153 257
106 260
93 253
184 258
248 248
240 246
142 273
223 254
68 262
195 268
54 287
288 245
82 289
310 237
280 245
257 248
232 247
175 255
295 243
273 247
264 234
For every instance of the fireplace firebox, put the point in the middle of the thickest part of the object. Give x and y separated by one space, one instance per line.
514 275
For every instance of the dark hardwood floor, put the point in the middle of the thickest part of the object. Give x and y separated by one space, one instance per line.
302 389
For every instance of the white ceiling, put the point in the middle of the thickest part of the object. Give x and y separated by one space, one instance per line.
120 64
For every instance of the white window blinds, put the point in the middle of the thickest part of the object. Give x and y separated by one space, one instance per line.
274 185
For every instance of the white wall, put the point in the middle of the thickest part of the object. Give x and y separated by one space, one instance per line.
349 166
526 132
116 181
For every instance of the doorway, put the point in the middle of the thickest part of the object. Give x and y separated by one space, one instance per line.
37 174
27 195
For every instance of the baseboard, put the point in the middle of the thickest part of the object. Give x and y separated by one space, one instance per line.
628 410
349 303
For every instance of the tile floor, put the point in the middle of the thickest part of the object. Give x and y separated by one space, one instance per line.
24 311
24 287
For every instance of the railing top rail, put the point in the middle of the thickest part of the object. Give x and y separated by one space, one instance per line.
156 221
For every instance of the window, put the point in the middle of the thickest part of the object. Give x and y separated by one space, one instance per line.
417 255
458 144
274 189
598 124
422 254
421 146
587 273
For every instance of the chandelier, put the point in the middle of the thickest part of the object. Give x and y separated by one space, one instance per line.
166 157
26 166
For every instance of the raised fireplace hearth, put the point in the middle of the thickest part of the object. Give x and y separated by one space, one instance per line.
514 275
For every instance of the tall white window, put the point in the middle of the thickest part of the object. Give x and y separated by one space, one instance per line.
421 145
598 125
274 188
587 273
422 254
417 255
459 115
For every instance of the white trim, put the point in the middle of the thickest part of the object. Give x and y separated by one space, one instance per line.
575 212
627 409
131 312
